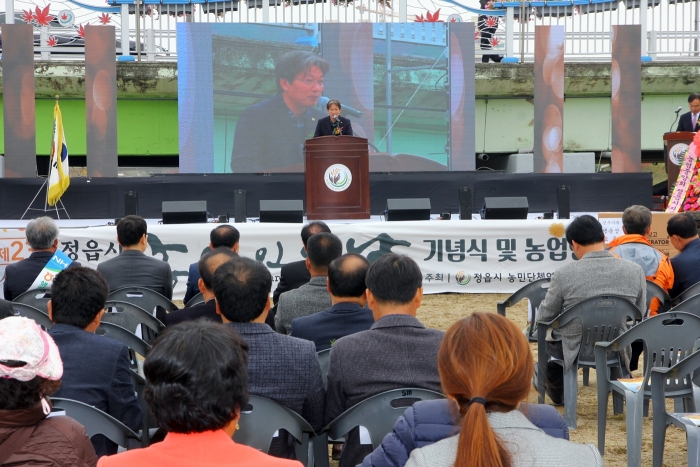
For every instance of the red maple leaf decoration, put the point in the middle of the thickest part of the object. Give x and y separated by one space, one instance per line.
453 20
419 19
51 41
491 22
494 41
42 17
430 17
81 31
105 18
477 35
27 16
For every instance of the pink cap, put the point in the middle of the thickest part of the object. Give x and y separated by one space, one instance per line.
21 339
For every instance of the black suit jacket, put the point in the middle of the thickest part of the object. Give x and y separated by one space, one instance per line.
325 327
20 276
324 127
133 268
96 372
192 283
686 123
201 310
292 276
686 268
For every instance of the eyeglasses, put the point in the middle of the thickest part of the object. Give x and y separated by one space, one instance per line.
310 82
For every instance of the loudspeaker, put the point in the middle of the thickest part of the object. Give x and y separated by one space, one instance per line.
505 208
240 206
408 209
131 203
465 203
279 210
184 212
563 202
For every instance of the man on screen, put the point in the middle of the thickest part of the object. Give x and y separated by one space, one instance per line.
689 121
270 135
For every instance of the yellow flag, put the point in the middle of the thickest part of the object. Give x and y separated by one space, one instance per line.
59 174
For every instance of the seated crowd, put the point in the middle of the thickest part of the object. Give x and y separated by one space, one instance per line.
238 342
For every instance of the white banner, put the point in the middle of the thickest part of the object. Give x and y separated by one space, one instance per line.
498 256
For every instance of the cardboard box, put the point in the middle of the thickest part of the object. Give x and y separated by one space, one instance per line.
658 236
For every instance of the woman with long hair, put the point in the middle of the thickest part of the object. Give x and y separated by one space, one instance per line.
486 368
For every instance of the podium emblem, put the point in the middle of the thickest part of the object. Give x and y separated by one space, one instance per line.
462 278
338 177
677 152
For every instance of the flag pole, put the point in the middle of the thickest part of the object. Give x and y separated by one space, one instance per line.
46 201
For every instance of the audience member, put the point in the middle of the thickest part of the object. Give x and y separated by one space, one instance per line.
95 368
132 268
597 272
683 234
312 297
42 237
485 367
396 352
196 389
6 309
295 274
30 371
222 236
207 265
348 315
282 368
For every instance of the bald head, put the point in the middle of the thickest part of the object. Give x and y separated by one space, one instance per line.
346 277
210 262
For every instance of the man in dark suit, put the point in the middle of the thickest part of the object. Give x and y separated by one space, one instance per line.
224 235
282 368
208 264
270 135
95 368
683 235
295 274
348 315
42 236
689 121
312 297
333 124
396 352
132 268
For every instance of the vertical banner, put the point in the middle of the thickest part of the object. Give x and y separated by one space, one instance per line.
101 101
348 50
18 100
626 98
462 97
549 99
195 101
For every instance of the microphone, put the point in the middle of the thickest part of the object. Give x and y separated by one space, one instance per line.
670 130
323 100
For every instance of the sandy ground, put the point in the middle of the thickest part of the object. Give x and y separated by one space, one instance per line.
440 311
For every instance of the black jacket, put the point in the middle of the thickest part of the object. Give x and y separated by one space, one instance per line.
201 310
324 127
19 277
686 123
325 327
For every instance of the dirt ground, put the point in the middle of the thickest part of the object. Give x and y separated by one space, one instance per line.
440 311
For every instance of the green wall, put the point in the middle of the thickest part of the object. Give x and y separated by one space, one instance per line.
145 127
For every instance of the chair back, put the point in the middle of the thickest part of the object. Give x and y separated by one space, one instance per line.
535 292
379 413
602 319
124 336
196 300
689 305
96 422
687 293
130 316
324 359
654 290
263 417
144 298
41 318
38 298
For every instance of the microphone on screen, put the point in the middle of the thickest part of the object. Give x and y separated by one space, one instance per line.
670 130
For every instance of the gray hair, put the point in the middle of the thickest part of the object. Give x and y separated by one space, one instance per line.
41 233
636 219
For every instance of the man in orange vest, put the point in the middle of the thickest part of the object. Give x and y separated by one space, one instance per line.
635 246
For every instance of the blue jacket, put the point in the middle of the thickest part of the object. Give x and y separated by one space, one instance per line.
192 283
428 422
685 268
325 327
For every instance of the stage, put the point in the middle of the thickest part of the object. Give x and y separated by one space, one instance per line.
100 198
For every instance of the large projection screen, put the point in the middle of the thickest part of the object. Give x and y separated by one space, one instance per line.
251 94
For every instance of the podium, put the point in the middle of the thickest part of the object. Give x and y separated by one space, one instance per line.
337 178
675 145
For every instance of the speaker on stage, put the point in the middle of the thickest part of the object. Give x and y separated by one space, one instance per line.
505 208
131 203
465 203
240 206
289 211
563 202
408 209
184 212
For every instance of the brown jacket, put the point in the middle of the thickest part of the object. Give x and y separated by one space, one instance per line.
57 441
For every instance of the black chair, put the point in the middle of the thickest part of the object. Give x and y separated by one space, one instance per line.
129 339
147 299
96 422
654 290
37 298
130 316
41 318
535 292
687 293
196 300
689 305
